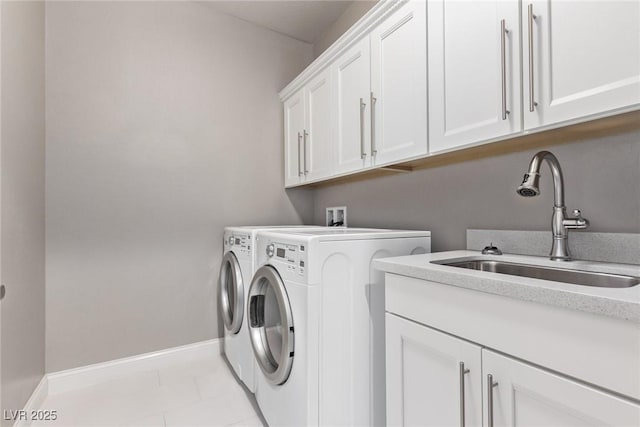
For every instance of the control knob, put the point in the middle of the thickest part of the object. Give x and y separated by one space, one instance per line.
270 250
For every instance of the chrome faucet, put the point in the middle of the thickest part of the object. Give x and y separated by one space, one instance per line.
560 223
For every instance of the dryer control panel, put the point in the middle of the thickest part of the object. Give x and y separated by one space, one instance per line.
239 243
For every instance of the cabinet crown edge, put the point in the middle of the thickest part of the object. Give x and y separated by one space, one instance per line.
360 29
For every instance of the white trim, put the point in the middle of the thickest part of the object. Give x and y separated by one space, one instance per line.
35 401
72 379
360 29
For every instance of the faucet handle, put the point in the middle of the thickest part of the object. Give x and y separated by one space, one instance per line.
577 221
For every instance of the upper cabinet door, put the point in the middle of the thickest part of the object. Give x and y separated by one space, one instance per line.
528 396
352 85
579 58
399 85
433 379
318 137
474 72
293 137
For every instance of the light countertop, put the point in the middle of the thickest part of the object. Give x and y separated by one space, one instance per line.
621 303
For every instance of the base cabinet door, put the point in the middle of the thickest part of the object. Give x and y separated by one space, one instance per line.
294 117
579 58
398 101
523 395
433 379
474 72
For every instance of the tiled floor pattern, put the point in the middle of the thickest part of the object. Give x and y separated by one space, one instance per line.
203 393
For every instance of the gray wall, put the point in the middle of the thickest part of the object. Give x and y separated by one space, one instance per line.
164 125
350 16
23 234
602 179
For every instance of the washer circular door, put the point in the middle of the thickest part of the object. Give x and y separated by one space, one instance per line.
231 293
271 325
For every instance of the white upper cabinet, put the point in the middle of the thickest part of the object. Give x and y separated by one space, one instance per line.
474 72
433 379
294 116
398 99
579 59
487 70
529 396
352 87
319 131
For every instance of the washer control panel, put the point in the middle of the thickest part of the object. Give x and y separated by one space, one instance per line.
289 258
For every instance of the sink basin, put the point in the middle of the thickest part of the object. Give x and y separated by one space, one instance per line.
585 278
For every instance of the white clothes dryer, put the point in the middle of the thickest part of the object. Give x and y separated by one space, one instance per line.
236 270
316 323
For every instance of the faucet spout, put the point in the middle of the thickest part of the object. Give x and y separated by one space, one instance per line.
560 223
530 186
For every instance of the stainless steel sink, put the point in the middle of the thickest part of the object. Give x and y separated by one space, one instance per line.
586 278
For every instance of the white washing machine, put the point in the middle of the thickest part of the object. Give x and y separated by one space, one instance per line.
316 323
237 268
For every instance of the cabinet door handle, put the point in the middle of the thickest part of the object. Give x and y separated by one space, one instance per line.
374 151
463 371
299 152
503 61
532 102
305 135
363 153
490 386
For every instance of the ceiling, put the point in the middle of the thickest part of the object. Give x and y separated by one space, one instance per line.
303 20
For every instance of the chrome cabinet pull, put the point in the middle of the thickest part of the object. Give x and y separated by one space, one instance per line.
363 153
299 152
374 151
463 371
532 102
305 135
490 386
503 59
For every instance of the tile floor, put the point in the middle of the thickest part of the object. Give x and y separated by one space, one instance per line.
203 393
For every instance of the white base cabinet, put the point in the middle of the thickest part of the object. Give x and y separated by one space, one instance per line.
524 395
433 379
436 379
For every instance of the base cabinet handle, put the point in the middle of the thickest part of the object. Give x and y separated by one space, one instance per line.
463 372
490 386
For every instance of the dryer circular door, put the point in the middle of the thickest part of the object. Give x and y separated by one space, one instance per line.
231 293
271 325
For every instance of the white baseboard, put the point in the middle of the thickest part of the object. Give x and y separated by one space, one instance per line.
72 379
35 401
